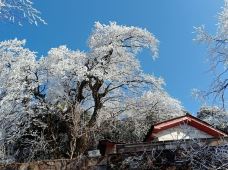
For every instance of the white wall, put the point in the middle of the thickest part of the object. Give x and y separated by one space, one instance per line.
181 132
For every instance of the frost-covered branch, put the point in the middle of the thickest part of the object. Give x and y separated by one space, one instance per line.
18 11
218 56
196 154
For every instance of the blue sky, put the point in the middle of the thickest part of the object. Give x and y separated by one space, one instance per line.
182 62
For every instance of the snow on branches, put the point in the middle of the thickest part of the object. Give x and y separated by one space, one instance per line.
214 116
17 11
218 52
128 38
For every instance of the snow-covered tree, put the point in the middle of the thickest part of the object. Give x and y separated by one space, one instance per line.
139 114
153 107
18 82
106 75
17 87
214 116
17 11
57 104
218 52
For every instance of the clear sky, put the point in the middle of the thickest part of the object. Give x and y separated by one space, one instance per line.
181 62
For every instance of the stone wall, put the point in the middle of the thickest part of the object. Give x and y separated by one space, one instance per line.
62 164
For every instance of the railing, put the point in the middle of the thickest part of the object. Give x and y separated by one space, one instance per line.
168 145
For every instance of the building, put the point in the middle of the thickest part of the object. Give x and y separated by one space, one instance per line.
177 143
184 127
166 134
